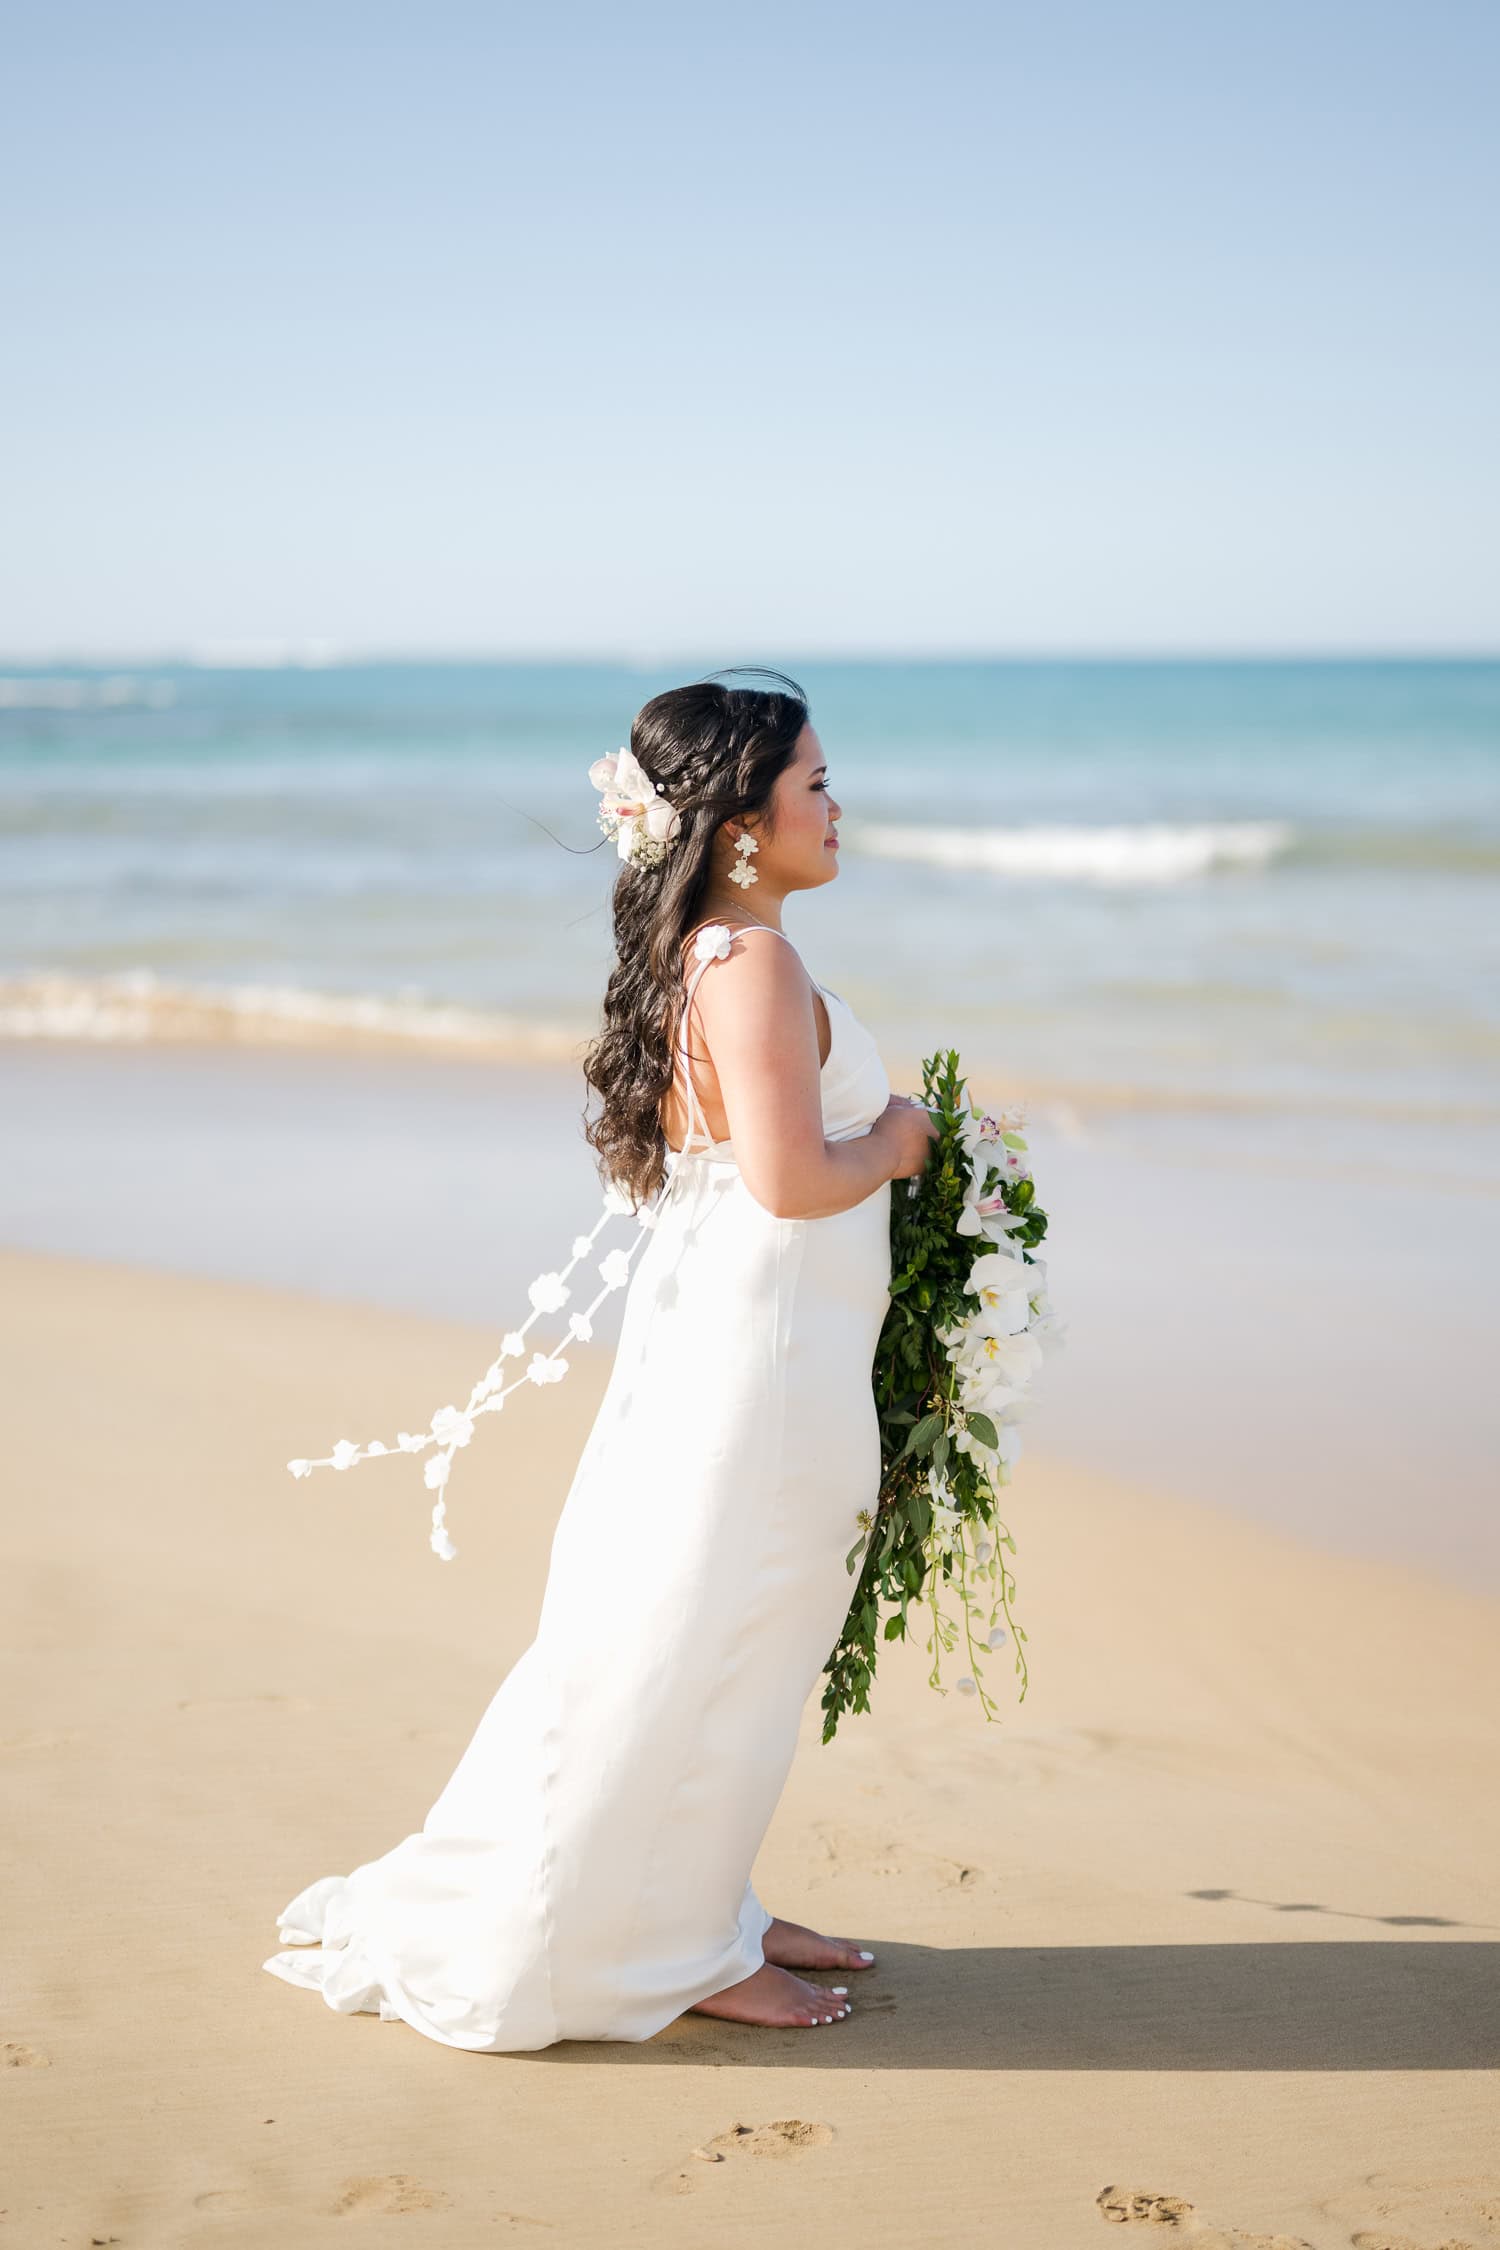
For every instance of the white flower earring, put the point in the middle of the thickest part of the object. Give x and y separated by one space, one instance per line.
742 872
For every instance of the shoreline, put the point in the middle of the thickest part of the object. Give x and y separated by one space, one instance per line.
1243 1321
47 1014
470 1346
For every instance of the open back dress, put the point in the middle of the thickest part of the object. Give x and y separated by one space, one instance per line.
585 1873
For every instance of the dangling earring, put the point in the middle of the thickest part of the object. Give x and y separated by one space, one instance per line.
742 872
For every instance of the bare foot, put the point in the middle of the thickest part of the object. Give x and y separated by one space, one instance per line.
773 1996
791 1946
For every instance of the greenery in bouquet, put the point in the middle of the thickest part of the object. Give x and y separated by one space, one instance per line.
956 1354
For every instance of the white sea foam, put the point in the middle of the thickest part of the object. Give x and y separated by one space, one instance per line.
1137 852
36 691
137 1008
264 656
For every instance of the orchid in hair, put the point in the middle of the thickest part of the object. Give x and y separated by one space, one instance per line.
634 810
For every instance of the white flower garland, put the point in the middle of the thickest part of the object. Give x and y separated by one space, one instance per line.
964 1279
452 1427
995 1351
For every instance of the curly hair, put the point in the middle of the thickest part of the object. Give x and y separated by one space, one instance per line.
714 752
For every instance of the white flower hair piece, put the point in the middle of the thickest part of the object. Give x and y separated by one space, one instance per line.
634 810
452 1427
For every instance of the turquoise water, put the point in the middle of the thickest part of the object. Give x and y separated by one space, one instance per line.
1255 890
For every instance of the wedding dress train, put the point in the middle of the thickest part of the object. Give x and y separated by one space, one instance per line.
585 1873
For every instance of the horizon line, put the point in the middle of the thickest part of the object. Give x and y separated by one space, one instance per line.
317 655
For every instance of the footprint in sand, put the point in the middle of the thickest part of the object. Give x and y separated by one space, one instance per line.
1174 2216
16 2055
785 2136
229 2202
382 2195
1392 2211
867 1852
1383 2241
1139 2207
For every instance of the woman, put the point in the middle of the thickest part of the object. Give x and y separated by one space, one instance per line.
585 1874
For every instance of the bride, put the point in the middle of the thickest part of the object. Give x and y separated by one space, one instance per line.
585 1873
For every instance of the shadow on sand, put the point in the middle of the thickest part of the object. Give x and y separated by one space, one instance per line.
1395 2004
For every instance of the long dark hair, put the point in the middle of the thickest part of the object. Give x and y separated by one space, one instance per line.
714 752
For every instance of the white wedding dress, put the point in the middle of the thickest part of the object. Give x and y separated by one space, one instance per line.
585 1874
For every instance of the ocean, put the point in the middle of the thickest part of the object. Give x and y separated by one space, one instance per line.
1258 900
1228 932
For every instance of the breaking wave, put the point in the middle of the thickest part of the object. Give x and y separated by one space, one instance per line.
1143 852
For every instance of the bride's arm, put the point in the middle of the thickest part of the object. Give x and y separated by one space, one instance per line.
756 1011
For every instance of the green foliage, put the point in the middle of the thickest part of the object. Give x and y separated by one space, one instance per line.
898 1559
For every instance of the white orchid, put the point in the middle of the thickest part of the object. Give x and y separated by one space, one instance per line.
946 1518
548 1292
945 1523
1009 1360
435 1475
988 1215
344 1454
994 1147
633 809
1003 1286
545 1369
713 941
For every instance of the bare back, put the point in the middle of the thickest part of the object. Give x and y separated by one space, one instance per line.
692 1055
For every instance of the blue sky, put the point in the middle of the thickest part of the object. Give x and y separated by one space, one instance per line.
755 332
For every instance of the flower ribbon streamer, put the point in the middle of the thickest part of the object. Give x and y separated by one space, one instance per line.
452 1427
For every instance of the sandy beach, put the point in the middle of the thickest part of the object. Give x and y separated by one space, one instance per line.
1198 1945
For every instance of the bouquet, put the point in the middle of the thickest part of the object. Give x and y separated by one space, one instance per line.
952 1366
955 1355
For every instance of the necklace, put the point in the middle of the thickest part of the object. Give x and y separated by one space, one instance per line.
753 920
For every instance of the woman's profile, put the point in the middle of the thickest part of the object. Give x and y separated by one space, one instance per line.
585 1873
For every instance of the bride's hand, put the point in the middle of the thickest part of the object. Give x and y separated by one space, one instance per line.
909 1131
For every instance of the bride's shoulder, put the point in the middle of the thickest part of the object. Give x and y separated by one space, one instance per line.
722 941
